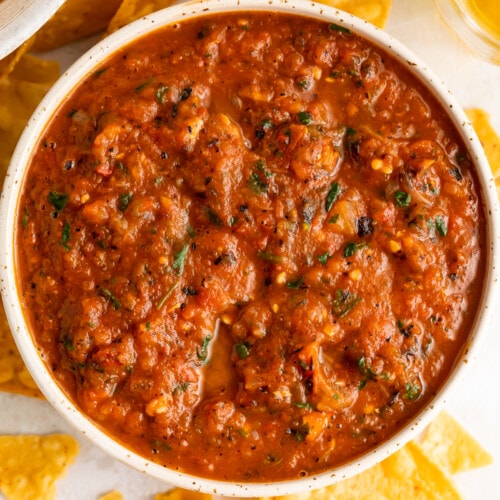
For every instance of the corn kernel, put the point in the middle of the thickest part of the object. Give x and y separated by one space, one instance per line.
368 409
394 246
163 260
330 329
355 274
317 73
376 164
84 198
275 308
281 278
227 319
387 168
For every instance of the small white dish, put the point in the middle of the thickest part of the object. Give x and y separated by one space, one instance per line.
8 212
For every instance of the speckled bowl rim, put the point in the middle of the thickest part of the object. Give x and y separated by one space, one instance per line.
8 210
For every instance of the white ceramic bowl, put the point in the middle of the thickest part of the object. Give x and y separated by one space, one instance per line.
14 182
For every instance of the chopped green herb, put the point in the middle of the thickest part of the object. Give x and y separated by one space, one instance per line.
266 124
213 217
180 258
441 226
269 257
303 84
365 370
402 198
257 185
68 344
296 284
456 173
202 352
305 117
333 219
233 220
99 72
65 236
412 391
341 29
323 258
305 406
160 94
242 350
344 302
58 200
107 294
124 200
24 220
301 433
157 445
351 248
162 301
142 85
181 387
332 195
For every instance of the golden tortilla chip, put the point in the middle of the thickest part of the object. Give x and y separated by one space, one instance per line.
20 93
14 377
408 473
489 138
31 465
373 11
111 495
180 494
130 10
75 19
451 447
8 63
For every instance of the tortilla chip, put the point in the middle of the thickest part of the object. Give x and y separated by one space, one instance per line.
373 11
180 494
75 19
14 377
20 93
130 10
111 495
31 465
451 447
8 63
490 140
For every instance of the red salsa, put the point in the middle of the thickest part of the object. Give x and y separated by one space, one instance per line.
250 246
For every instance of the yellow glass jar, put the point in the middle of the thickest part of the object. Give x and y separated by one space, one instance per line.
477 23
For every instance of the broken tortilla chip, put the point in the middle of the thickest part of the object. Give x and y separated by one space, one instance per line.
180 494
8 63
111 495
490 140
451 447
75 19
31 465
20 93
14 377
422 470
374 11
130 10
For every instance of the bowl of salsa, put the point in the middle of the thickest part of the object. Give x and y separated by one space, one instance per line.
250 245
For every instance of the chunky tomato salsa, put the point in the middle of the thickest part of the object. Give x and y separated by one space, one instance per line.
250 246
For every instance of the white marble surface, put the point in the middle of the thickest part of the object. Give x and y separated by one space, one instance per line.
476 404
